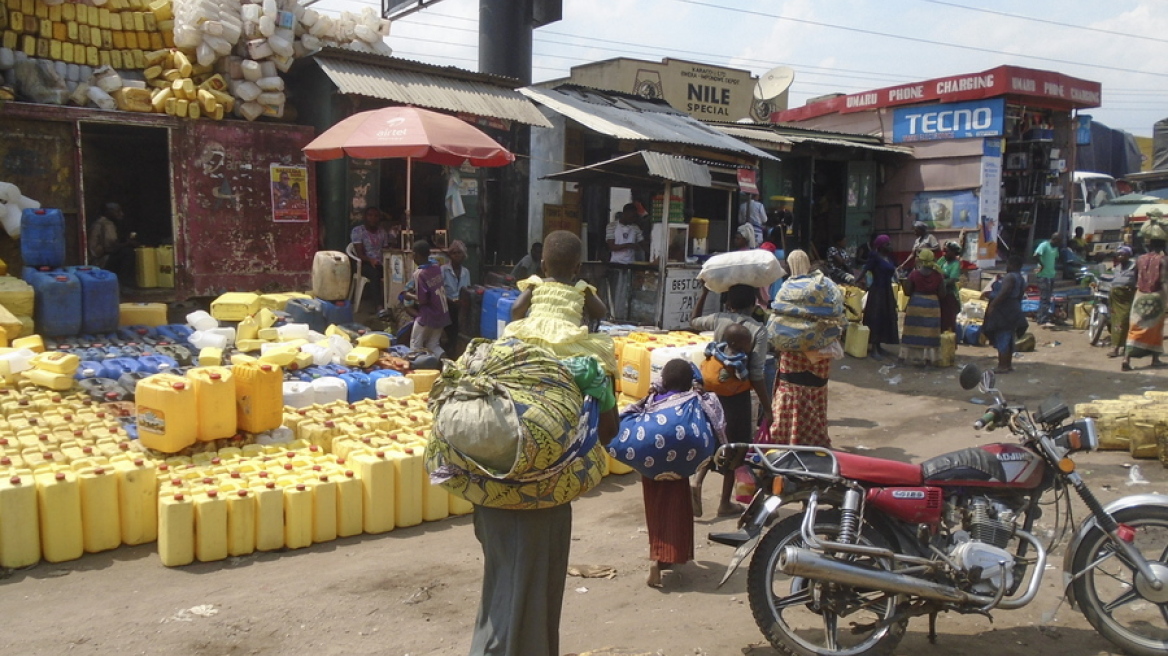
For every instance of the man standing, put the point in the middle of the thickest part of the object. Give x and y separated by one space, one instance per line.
369 239
624 237
752 212
106 249
530 264
1048 257
430 293
455 278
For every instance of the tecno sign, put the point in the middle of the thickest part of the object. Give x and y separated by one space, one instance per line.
969 120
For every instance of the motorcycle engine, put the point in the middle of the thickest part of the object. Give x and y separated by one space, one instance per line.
978 547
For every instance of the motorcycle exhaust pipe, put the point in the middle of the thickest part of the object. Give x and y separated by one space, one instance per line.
807 564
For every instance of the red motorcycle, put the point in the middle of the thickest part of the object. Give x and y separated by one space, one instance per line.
876 542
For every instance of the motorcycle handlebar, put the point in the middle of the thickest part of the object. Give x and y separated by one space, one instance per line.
988 419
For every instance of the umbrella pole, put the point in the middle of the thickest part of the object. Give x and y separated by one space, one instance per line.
409 187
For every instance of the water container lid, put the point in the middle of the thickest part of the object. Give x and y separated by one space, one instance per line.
179 385
265 367
5 460
163 467
349 473
314 448
214 375
215 461
212 493
340 461
3 441
62 278
178 496
291 454
409 451
48 455
380 454
263 474
316 468
270 484
38 211
15 480
236 474
324 478
44 437
243 493
33 421
300 487
329 424
60 476
99 471
288 466
207 480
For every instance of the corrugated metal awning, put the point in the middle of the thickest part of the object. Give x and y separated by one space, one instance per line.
829 141
764 136
636 119
639 167
429 90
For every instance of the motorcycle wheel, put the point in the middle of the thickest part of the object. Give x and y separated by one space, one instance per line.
801 617
1120 607
1096 326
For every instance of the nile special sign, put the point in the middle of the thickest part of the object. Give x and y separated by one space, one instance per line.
982 118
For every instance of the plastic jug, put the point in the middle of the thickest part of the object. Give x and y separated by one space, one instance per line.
20 541
49 380
856 340
395 386
359 386
378 477
329 390
147 269
324 509
101 526
167 413
214 400
100 299
297 516
56 362
503 312
210 527
113 368
635 366
103 390
330 275
423 380
201 320
350 511
409 479
42 237
148 314
377 340
298 394
164 255
435 501
176 530
228 334
137 501
59 503
309 311
338 312
259 394
247 329
235 306
269 517
14 362
58 301
362 356
488 321
157 364
947 356
202 339
241 523
660 356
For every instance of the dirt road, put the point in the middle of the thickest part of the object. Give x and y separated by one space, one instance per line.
415 591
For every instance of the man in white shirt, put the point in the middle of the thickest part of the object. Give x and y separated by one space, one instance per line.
753 212
624 237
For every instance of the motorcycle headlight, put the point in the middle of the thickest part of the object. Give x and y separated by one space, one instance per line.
1079 435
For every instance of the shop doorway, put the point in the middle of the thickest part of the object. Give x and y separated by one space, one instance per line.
129 165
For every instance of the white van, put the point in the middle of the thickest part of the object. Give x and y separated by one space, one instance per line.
1104 233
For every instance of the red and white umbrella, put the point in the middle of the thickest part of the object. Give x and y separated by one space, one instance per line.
410 133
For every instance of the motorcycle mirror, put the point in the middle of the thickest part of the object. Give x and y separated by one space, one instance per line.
970 376
988 381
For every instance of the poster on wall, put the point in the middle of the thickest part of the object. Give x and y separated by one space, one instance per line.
364 187
990 203
289 193
946 210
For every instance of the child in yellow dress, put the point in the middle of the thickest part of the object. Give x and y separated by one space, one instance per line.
558 305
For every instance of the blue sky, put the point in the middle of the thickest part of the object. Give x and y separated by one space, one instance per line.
1125 47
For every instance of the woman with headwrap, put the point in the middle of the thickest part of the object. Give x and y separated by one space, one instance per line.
744 238
800 396
1145 335
1123 290
880 309
925 286
454 278
950 266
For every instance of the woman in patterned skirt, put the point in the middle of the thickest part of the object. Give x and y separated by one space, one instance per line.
800 398
921 340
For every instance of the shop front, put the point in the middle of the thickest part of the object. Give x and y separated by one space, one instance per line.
607 150
992 158
212 190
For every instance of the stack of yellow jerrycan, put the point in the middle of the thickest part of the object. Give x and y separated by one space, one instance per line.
1134 423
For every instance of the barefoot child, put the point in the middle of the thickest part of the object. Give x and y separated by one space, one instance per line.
559 304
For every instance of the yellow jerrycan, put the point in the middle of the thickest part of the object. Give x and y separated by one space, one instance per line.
259 394
167 413
101 526
59 503
241 523
379 489
137 501
210 526
324 509
297 516
20 541
176 530
460 506
350 511
269 516
214 398
410 475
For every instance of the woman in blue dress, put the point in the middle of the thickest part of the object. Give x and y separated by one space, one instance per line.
880 309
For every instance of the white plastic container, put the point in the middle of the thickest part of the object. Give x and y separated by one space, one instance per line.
330 275
200 320
329 389
340 346
320 354
227 333
658 357
291 331
16 361
202 339
395 386
298 394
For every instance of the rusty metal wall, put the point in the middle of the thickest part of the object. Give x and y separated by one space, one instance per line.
40 158
225 237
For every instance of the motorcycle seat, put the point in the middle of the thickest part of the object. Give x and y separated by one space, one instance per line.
877 470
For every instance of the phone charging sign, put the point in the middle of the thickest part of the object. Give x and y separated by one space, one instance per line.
967 120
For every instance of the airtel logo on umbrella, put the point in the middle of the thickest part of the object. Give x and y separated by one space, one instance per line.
388 130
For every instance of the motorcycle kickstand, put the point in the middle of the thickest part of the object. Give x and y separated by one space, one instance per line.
933 628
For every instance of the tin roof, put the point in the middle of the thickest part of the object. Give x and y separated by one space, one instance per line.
638 166
636 119
782 138
412 83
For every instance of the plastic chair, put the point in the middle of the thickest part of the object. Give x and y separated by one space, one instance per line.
357 288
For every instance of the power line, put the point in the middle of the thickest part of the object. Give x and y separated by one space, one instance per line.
1046 21
912 39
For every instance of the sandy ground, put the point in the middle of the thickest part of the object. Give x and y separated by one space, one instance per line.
415 591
